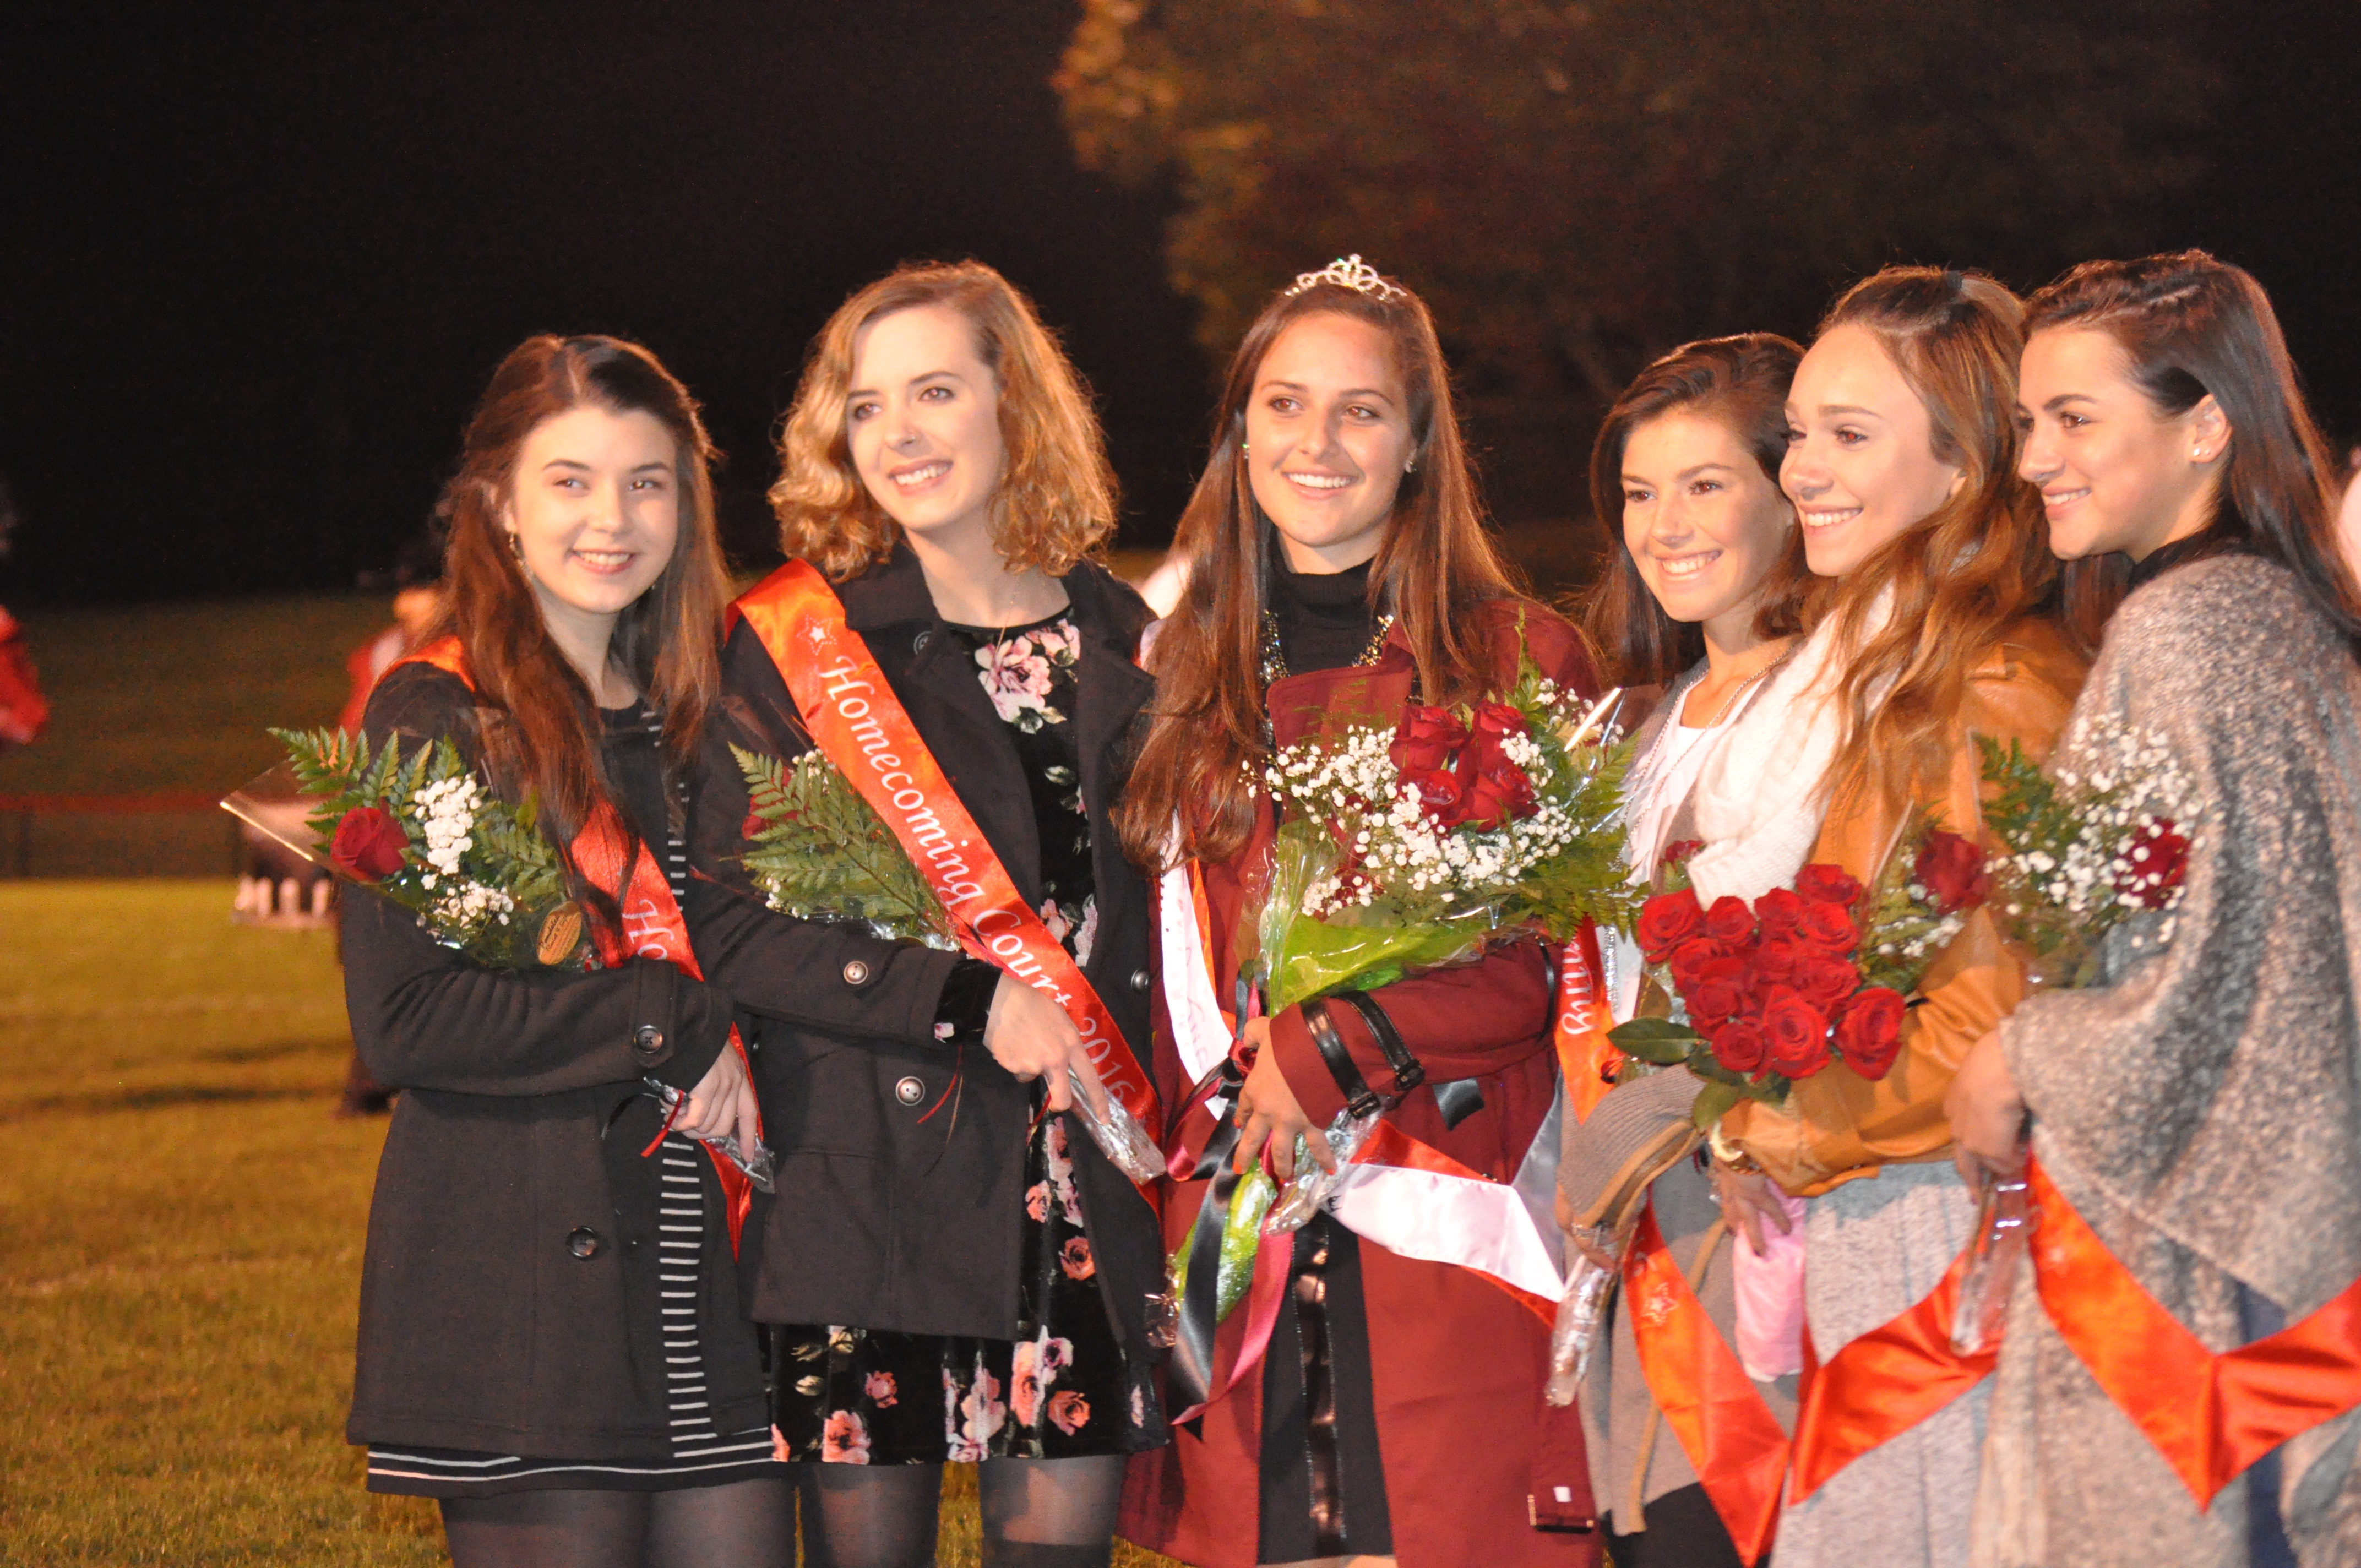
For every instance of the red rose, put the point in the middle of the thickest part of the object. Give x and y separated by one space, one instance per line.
1689 960
2158 858
1825 981
1776 962
1425 740
1729 922
1740 1045
1779 910
753 825
1495 722
1827 884
1438 794
1678 852
370 845
1666 921
1869 1030
1828 927
1951 870
1497 793
1798 1033
1723 988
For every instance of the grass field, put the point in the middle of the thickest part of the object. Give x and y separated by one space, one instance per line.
181 1224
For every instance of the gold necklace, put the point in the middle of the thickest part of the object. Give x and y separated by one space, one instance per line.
1274 658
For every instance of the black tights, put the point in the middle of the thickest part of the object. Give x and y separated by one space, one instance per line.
1037 1513
744 1524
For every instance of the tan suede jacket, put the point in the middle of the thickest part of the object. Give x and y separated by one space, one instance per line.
1837 1126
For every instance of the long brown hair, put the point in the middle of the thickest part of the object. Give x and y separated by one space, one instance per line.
1742 383
2193 325
1977 562
665 641
1436 569
1056 497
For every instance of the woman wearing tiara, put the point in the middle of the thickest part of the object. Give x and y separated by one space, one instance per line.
2197 1114
1336 564
1704 598
1929 634
950 1271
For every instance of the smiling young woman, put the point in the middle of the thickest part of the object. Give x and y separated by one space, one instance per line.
517 1226
1337 563
1930 631
2197 1114
950 1269
1704 600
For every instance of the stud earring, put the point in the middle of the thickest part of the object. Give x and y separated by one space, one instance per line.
516 547
1410 466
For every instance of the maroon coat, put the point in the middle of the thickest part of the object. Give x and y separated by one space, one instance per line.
1458 1365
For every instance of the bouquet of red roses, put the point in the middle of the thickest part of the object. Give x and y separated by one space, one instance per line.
1773 991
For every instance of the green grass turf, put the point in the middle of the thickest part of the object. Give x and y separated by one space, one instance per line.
181 1225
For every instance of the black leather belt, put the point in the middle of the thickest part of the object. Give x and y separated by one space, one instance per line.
1459 1099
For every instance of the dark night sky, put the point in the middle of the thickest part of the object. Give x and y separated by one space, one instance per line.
255 260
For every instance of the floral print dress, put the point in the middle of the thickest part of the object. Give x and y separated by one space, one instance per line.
846 1395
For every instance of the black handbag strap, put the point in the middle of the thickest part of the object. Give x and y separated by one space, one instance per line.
1409 1071
1359 1098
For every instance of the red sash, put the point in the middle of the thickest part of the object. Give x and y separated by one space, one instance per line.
1882 1384
854 717
1732 1439
653 925
1586 1058
2210 1416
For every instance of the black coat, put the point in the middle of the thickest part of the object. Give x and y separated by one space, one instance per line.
508 1295
882 1220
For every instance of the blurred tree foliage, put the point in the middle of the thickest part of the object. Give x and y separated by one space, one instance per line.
1577 188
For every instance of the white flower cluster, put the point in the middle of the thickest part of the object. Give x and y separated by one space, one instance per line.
470 905
446 813
1394 845
2127 790
1933 939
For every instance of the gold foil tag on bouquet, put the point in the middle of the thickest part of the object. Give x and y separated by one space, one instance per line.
560 936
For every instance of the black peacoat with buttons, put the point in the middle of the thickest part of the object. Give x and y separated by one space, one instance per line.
901 1159
509 1299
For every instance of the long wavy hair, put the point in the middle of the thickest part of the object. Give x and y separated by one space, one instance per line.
1056 497
2193 325
1741 383
665 641
1960 575
1436 569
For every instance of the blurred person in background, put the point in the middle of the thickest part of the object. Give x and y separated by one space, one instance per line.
24 712
417 606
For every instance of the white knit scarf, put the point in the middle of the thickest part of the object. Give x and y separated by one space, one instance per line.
1758 804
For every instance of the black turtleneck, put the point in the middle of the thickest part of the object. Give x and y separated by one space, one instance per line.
2213 539
1324 620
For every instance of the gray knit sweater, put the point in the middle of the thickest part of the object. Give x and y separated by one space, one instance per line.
2202 1109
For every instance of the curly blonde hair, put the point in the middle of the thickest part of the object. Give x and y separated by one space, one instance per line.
1056 497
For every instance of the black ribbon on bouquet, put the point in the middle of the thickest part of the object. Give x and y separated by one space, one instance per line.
1197 1314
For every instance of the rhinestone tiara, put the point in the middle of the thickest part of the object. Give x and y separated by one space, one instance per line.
1349 272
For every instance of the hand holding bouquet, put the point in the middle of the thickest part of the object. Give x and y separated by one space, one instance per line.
424 833
1773 991
819 851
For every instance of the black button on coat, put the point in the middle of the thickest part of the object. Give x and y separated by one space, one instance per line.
509 1293
897 1208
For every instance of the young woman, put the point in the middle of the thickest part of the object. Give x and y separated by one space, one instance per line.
1702 601
2196 1115
1902 465
550 1339
1336 562
950 1269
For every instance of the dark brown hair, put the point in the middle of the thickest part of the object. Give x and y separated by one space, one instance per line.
2192 325
1057 496
1434 570
1742 383
1963 573
665 641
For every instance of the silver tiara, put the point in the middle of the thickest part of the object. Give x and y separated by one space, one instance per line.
1349 272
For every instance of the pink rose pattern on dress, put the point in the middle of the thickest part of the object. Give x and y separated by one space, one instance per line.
845 1439
882 1390
1017 671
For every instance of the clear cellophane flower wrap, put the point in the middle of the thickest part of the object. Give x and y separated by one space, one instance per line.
1407 847
1582 1311
818 850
